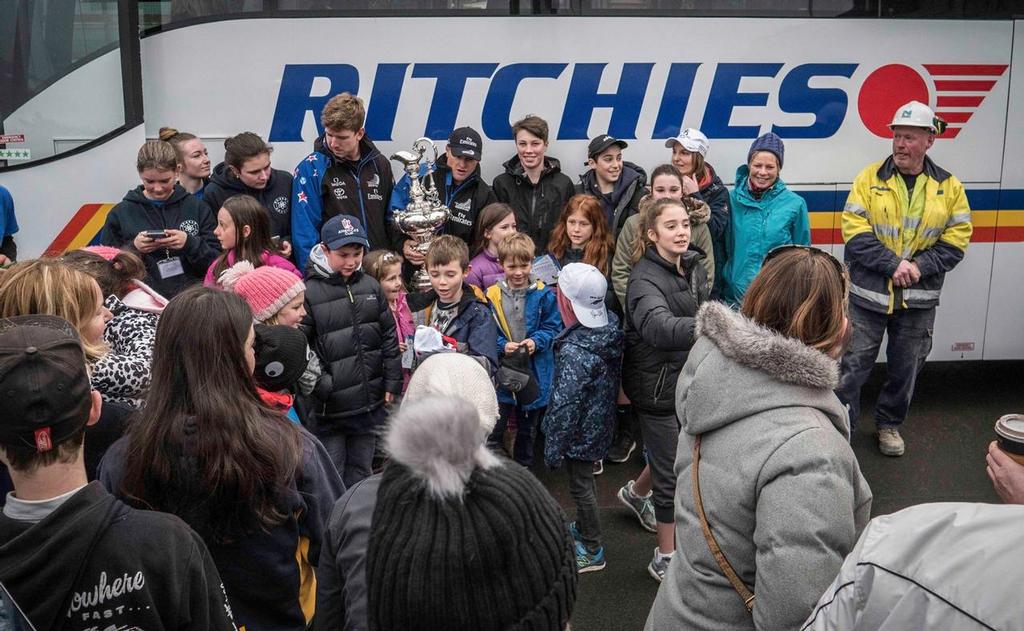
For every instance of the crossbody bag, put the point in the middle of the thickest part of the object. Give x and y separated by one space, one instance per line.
716 551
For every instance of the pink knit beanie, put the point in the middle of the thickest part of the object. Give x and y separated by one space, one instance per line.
105 251
267 289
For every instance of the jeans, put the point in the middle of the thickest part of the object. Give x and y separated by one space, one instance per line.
352 455
661 437
583 491
526 431
910 341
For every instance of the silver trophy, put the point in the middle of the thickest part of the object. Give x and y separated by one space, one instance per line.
424 214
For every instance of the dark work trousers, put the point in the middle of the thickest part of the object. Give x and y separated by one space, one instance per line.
583 491
661 437
910 341
527 423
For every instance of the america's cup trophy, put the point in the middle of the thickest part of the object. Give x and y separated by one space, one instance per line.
424 214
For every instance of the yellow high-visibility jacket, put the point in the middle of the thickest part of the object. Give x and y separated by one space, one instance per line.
883 224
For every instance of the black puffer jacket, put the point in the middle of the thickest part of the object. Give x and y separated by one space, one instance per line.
538 206
716 195
623 201
276 196
350 327
661 307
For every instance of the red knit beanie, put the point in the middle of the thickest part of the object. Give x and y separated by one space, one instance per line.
267 289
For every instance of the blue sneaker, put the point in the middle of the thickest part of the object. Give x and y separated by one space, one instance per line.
588 561
575 532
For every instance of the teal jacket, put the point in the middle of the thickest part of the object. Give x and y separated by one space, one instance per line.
758 225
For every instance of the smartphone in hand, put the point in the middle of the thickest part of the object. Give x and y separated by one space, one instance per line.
155 234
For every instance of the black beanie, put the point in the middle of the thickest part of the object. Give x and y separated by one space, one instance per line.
461 539
280 357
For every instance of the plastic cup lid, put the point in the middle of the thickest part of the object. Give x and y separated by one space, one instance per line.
1011 426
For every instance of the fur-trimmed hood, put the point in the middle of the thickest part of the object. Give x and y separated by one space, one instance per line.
739 368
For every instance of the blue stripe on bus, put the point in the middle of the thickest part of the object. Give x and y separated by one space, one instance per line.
979 199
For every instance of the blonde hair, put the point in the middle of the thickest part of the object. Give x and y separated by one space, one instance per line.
49 287
156 154
516 247
377 262
344 111
801 293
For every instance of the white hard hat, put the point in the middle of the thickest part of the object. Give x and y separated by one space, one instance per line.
915 114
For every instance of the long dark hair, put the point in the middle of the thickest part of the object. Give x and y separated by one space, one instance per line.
205 448
246 211
596 252
490 216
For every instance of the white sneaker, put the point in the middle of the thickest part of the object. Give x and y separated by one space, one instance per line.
658 565
890 443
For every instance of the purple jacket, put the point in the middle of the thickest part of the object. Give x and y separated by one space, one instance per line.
485 270
273 260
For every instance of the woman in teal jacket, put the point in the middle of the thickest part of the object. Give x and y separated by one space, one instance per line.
765 215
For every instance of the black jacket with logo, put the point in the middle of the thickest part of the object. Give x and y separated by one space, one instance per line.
538 206
464 200
352 331
181 211
276 196
360 188
661 309
94 563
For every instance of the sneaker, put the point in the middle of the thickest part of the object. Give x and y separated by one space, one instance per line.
641 506
622 449
575 532
658 565
588 561
598 467
890 443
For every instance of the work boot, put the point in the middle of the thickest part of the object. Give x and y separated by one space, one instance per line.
890 443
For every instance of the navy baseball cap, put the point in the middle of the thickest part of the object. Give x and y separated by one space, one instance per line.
466 142
342 230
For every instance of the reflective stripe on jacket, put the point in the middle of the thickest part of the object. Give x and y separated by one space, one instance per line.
875 220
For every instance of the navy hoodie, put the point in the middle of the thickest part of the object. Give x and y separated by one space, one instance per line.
276 196
95 563
623 201
268 586
181 211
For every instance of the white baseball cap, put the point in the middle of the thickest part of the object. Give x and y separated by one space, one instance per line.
914 114
692 140
585 288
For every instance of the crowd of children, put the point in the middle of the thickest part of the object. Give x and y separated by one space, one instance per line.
250 335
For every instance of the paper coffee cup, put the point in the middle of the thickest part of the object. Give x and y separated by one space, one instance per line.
1010 436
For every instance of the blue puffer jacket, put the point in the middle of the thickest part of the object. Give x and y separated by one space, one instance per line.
543 323
758 225
581 412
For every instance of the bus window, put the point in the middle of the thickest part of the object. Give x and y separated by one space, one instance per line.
41 43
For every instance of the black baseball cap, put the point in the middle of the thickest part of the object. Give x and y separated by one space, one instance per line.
602 142
466 142
44 383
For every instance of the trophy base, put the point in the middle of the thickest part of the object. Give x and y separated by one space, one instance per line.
420 281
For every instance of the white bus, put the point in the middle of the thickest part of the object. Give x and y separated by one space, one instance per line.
82 92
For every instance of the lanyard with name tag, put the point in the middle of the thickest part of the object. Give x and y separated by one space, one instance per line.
170 267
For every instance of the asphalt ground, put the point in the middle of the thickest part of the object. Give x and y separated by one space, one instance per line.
947 433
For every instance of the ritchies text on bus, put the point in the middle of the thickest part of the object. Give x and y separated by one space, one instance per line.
956 90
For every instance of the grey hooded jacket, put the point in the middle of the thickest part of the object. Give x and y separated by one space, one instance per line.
780 485
941 567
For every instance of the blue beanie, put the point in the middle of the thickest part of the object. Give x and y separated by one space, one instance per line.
768 142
